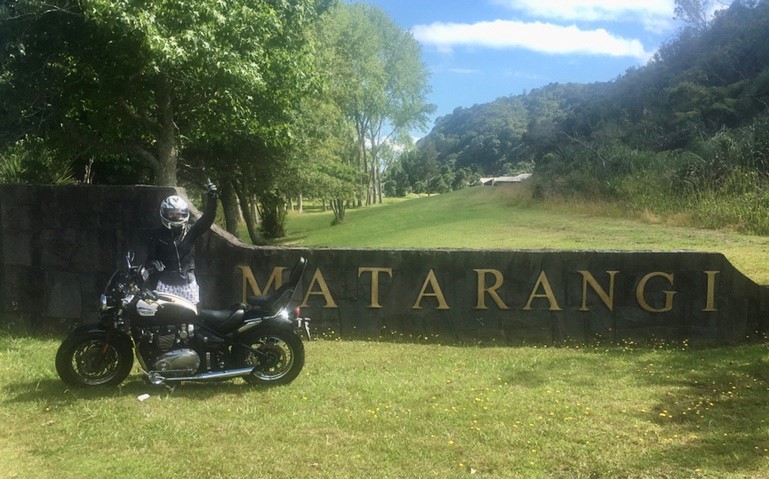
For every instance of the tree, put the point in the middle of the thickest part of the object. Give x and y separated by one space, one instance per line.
377 79
147 79
326 149
29 161
693 12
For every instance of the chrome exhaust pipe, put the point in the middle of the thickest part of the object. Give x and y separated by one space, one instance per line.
158 378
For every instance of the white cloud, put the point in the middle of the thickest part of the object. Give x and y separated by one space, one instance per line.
655 15
537 36
464 71
522 75
592 10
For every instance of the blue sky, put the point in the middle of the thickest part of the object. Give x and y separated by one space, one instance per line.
480 50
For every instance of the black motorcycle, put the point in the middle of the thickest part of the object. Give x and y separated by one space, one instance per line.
175 342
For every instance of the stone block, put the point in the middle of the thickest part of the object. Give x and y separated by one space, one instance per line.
65 295
24 290
17 248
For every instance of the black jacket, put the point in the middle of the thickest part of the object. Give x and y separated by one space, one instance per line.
175 248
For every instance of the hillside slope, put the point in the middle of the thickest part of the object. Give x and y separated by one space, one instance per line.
505 218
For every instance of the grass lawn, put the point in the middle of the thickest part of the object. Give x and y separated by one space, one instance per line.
401 410
506 218
413 409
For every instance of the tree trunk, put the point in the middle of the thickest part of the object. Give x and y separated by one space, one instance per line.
230 207
273 213
167 148
338 205
362 163
249 212
379 185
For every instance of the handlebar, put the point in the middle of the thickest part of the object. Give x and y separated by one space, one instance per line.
148 294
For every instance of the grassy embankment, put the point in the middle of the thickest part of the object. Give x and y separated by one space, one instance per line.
506 218
396 410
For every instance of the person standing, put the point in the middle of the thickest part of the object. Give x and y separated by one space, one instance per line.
171 251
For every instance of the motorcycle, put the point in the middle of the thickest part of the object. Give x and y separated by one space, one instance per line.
174 341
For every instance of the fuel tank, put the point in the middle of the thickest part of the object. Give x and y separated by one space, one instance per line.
166 309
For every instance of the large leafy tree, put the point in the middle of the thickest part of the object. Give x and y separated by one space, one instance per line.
378 81
144 80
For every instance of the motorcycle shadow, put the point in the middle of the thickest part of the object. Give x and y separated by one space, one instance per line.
52 390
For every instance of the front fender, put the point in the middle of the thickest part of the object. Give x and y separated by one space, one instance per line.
88 328
97 328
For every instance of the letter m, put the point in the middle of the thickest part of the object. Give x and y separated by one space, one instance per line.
249 281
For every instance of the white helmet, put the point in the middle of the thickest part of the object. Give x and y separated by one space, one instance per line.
174 212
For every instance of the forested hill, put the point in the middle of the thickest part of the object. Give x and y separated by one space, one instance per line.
709 81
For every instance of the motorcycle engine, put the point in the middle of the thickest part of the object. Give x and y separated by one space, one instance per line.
177 363
165 349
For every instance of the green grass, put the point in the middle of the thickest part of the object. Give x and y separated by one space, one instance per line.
398 410
412 408
506 218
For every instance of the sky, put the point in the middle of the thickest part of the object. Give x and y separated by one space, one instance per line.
479 50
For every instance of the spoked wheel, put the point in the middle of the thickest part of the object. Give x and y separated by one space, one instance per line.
89 360
276 355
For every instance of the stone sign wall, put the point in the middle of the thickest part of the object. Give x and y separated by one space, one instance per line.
60 244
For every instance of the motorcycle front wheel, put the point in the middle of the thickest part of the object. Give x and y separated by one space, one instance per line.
277 356
90 360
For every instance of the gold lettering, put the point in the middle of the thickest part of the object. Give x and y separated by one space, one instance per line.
318 279
375 272
640 293
710 305
588 279
249 281
492 291
437 293
548 293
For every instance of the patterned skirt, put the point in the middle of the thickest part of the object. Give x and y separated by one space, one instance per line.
190 292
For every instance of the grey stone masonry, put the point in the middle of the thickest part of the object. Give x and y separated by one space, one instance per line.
60 244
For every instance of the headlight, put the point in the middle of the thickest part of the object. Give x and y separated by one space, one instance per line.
103 302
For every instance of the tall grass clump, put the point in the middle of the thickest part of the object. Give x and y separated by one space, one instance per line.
649 187
740 201
718 182
739 204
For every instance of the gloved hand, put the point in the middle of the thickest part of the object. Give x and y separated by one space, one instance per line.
211 189
157 265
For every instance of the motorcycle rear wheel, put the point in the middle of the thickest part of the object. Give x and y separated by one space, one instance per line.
89 360
281 359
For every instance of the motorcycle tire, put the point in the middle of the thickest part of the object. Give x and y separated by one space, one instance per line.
88 360
281 361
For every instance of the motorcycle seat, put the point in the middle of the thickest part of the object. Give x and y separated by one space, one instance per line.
222 320
261 302
271 302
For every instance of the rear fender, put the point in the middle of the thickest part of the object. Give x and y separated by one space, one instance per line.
280 320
